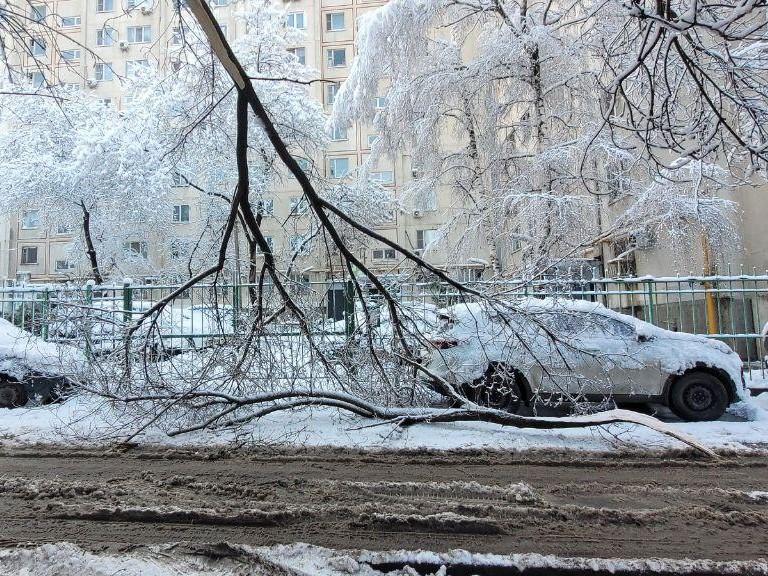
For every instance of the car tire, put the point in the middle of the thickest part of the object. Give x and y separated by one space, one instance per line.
12 394
499 388
698 396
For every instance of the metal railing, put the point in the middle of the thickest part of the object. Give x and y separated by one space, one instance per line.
729 308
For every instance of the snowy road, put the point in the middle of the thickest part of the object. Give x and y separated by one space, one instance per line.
624 506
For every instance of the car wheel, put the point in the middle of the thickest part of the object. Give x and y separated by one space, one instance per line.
698 396
499 388
12 395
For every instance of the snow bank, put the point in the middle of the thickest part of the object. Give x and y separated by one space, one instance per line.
166 560
88 421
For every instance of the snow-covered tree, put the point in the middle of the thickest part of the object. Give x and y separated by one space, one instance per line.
86 167
499 104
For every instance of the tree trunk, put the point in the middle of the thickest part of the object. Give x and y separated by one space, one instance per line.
90 250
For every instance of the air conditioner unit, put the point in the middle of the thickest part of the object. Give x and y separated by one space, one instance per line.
92 82
418 214
124 45
146 10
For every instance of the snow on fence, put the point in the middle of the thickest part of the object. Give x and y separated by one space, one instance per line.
729 308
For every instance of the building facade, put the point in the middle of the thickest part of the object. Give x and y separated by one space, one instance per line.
103 40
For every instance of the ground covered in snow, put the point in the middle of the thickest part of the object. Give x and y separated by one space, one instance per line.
305 560
87 421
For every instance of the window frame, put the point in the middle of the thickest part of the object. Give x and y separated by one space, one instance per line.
106 32
146 30
178 213
105 6
23 258
332 170
292 16
36 225
330 58
329 21
78 21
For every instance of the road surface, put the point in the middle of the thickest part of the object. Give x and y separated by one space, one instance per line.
625 506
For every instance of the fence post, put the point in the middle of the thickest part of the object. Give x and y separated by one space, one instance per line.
88 312
349 307
45 313
651 303
127 301
235 305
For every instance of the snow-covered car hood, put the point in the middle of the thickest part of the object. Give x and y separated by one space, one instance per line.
21 351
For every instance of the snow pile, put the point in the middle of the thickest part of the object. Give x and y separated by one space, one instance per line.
585 565
21 351
64 559
89 421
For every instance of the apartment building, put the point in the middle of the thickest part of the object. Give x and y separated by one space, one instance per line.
106 39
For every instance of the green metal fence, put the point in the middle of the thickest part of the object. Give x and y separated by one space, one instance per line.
729 308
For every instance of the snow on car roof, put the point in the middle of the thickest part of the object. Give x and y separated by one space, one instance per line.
20 349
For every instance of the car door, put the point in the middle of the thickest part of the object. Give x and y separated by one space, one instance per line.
611 360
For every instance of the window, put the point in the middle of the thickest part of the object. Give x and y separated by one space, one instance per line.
303 163
299 244
339 133
106 36
372 139
136 249
380 102
334 21
70 21
63 229
426 200
181 213
105 5
38 78
64 265
139 34
175 250
219 2
30 220
388 254
132 67
71 54
337 57
382 177
178 179
224 29
424 238
339 167
29 254
37 47
104 72
295 20
266 206
39 12
299 205
106 101
331 89
617 180
300 53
